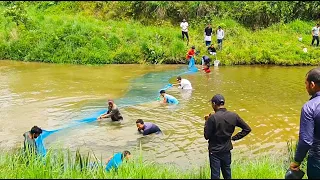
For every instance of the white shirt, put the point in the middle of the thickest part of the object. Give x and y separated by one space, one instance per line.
220 34
316 31
184 26
185 84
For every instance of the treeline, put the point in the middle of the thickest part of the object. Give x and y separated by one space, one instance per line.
148 32
253 14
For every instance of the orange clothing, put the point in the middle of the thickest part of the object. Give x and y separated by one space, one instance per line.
207 70
190 53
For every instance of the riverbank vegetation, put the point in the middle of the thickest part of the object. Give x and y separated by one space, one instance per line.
149 32
64 164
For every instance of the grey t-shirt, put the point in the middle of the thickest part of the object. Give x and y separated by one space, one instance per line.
115 114
315 31
29 143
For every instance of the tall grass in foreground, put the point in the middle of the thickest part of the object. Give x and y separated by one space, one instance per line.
64 164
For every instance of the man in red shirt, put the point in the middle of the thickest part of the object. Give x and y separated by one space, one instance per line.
191 53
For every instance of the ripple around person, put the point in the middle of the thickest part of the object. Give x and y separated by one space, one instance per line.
153 82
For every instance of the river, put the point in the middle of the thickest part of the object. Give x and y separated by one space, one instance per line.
268 98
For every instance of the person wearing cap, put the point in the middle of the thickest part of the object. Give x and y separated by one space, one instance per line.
220 36
113 112
168 98
184 29
191 53
184 83
147 128
218 129
309 133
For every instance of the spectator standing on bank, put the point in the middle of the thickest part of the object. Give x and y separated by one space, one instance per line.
218 129
184 30
315 34
220 36
207 35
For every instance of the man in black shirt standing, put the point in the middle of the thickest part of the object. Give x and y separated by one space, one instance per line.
207 35
218 130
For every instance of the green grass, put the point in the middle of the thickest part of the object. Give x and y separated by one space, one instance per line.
59 34
66 164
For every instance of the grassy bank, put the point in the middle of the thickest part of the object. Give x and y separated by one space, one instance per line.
59 34
62 164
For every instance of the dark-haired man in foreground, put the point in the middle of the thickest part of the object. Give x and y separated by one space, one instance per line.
30 139
218 129
147 128
309 135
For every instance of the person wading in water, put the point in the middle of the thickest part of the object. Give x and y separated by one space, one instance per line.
113 112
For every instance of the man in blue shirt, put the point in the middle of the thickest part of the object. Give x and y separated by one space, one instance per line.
116 160
147 128
309 135
168 98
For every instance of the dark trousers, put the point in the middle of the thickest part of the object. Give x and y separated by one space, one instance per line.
313 168
220 161
185 34
315 38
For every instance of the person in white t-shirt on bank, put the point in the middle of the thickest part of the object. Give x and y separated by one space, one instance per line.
184 28
184 83
315 34
220 36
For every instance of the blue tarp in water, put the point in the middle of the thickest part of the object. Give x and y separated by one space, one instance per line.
143 90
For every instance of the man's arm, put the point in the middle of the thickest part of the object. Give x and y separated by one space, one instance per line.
305 134
312 31
245 129
208 128
222 34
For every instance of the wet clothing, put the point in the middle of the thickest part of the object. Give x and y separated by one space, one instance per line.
207 70
29 144
185 84
309 136
150 128
219 128
115 114
171 99
114 162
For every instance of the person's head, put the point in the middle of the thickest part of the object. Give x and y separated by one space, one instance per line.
126 155
184 20
212 45
110 103
162 92
313 81
140 124
219 27
179 79
35 132
209 24
193 47
217 102
318 25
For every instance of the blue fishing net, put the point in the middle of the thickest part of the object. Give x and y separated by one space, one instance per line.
143 89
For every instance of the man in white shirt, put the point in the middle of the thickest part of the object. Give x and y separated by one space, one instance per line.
184 28
220 36
315 34
184 83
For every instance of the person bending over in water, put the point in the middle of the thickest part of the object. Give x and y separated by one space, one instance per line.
147 128
168 98
206 68
116 160
30 139
184 83
112 112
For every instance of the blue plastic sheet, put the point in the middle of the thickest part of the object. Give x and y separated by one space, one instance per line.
143 89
